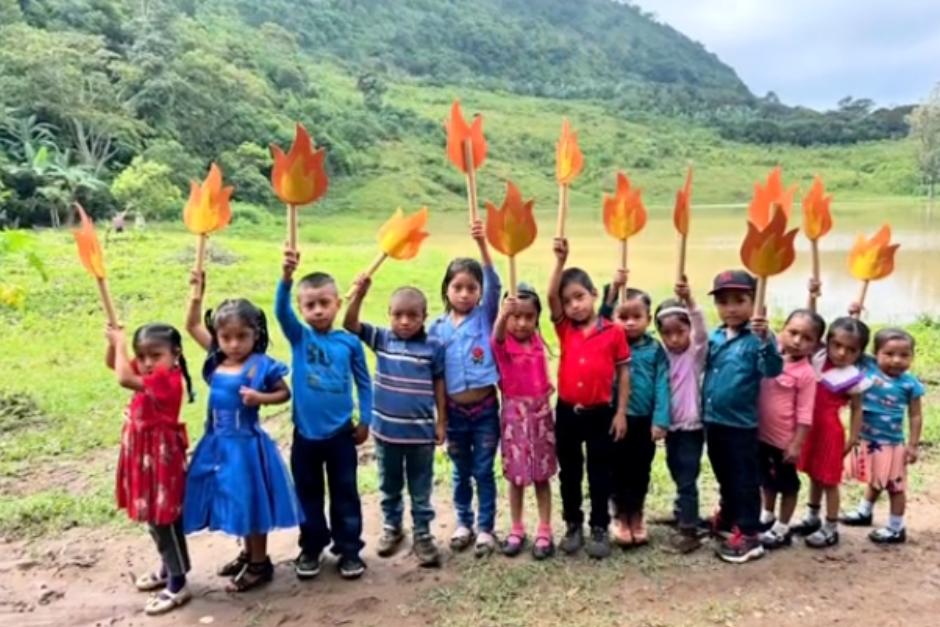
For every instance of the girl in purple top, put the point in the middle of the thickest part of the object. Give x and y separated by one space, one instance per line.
528 429
681 327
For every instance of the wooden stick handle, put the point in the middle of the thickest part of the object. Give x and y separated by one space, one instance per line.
814 249
292 227
623 266
680 266
760 301
512 275
562 210
471 181
373 267
861 297
198 267
107 303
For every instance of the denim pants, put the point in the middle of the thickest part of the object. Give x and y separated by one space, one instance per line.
684 459
397 464
733 454
337 455
579 431
472 441
632 462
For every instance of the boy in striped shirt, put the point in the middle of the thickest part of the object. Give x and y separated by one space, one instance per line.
409 414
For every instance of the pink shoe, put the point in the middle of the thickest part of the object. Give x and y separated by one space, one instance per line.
623 534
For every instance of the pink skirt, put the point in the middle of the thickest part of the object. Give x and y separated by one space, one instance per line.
527 444
882 466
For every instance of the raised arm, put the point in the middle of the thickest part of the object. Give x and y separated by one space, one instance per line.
290 325
478 233
126 376
194 326
499 328
560 248
815 291
769 361
360 289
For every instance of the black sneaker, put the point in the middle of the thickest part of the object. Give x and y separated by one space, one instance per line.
823 538
887 535
426 551
389 541
806 526
573 540
740 548
306 566
773 540
856 519
598 546
351 567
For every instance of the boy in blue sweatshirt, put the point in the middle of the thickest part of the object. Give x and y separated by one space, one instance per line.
325 365
740 353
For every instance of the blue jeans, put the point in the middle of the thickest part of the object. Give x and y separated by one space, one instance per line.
396 463
684 458
472 440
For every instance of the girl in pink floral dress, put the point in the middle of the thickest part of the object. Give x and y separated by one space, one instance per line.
528 429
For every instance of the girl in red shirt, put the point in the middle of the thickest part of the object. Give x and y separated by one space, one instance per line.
594 354
151 472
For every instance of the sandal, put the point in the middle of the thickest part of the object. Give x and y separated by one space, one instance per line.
165 601
513 544
638 529
485 545
234 567
462 539
544 547
150 582
252 576
623 534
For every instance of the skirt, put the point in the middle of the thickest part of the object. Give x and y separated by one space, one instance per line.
824 450
527 445
151 472
881 465
238 484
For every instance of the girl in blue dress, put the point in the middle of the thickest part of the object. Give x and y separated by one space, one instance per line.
237 481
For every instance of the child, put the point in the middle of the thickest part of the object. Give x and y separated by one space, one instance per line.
594 354
785 415
409 414
882 458
528 430
471 301
839 382
648 405
740 353
151 470
325 362
238 483
681 325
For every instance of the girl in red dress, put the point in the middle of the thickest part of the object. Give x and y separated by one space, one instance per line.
840 382
151 472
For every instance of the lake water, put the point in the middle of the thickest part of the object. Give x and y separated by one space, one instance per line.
716 233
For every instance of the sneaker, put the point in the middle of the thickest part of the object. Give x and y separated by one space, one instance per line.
389 540
856 519
351 567
426 551
683 542
598 546
573 540
461 539
766 526
772 539
718 526
740 548
485 545
306 566
823 538
887 535
806 526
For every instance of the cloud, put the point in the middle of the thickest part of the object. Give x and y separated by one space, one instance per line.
815 52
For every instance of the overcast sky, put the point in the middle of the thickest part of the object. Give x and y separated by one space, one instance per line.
814 52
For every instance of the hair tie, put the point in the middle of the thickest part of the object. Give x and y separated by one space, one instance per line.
668 311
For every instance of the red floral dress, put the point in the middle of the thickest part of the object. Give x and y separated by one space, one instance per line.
151 471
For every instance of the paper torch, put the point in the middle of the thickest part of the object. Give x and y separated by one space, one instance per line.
298 177
511 228
872 259
768 251
767 197
624 215
206 212
817 221
92 257
399 238
466 149
568 165
681 216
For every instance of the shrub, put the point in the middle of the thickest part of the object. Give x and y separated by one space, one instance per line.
147 187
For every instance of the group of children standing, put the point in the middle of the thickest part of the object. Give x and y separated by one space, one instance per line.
477 378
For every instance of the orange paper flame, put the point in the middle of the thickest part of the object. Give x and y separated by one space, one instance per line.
298 178
401 236
458 131
208 210
624 213
89 250
511 228
873 259
768 196
568 158
817 221
680 215
770 250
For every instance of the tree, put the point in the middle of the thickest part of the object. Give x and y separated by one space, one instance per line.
925 130
147 187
